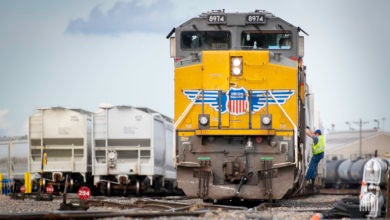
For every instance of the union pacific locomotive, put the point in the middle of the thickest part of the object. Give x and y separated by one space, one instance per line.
239 106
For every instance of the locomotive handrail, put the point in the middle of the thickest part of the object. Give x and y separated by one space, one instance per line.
293 124
180 119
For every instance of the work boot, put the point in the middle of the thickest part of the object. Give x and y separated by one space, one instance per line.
313 186
312 182
309 185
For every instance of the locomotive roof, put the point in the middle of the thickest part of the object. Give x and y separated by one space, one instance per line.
237 18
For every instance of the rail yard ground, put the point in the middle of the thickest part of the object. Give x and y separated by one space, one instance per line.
168 207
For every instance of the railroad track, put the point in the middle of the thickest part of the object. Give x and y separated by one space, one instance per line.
197 205
113 207
96 215
134 208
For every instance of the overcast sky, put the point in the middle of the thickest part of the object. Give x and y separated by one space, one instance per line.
80 54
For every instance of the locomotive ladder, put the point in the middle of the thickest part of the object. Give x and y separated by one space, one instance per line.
300 169
295 128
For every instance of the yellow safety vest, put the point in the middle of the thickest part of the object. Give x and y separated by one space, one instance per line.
320 146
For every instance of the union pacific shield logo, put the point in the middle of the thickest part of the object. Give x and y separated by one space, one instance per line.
237 101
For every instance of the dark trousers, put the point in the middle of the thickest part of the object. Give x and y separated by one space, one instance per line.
312 171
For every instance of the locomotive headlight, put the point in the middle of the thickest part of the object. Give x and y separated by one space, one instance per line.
203 120
236 71
236 61
236 66
266 120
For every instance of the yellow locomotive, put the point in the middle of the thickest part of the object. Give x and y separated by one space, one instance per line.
239 106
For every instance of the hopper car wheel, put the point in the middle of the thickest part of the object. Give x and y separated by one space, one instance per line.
102 188
108 188
124 190
43 185
40 187
137 187
70 186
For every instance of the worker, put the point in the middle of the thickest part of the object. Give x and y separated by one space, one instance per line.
318 149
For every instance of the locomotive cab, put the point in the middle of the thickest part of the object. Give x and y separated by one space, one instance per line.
239 105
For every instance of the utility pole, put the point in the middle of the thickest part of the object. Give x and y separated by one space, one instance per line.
360 134
383 123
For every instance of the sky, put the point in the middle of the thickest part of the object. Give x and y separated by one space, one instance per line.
80 54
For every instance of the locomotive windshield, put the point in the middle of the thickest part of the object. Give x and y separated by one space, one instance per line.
205 40
266 40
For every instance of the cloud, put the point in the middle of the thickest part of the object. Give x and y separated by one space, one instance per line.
125 17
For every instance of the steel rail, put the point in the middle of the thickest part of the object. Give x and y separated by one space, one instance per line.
95 215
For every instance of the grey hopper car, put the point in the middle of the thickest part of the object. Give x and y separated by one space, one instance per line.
132 150
62 137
